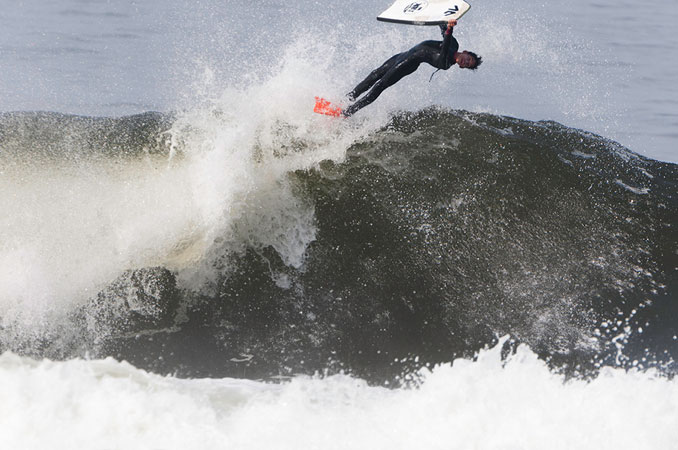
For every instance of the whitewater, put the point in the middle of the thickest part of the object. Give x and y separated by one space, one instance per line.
487 403
190 259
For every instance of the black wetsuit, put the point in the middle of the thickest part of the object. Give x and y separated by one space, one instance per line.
439 54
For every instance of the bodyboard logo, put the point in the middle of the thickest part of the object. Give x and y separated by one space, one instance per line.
415 7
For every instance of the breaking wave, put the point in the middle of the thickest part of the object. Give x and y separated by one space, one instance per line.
204 245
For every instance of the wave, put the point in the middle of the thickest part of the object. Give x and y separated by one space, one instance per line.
286 246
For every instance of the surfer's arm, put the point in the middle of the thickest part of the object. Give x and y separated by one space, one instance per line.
447 41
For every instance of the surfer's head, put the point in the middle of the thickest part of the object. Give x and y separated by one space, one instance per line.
468 60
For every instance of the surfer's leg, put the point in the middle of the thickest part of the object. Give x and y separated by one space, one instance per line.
391 77
373 77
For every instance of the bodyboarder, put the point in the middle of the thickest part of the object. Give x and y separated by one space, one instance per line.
439 54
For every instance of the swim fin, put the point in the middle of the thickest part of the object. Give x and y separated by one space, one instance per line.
323 106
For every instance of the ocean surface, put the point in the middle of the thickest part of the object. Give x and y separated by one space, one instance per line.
189 258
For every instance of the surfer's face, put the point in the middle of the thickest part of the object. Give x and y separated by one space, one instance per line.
465 61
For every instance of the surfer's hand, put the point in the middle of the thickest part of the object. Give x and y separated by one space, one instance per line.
451 23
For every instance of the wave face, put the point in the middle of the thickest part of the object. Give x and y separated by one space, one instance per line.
423 241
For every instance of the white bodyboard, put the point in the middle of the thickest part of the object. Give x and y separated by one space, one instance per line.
424 12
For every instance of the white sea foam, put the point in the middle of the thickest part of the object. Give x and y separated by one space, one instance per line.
487 403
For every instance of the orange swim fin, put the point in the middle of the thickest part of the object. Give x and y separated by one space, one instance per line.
323 106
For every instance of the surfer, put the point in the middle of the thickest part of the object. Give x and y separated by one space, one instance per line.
441 55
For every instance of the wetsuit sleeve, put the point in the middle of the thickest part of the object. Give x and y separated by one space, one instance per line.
444 57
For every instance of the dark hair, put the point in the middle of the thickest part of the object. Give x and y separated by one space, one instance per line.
478 60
